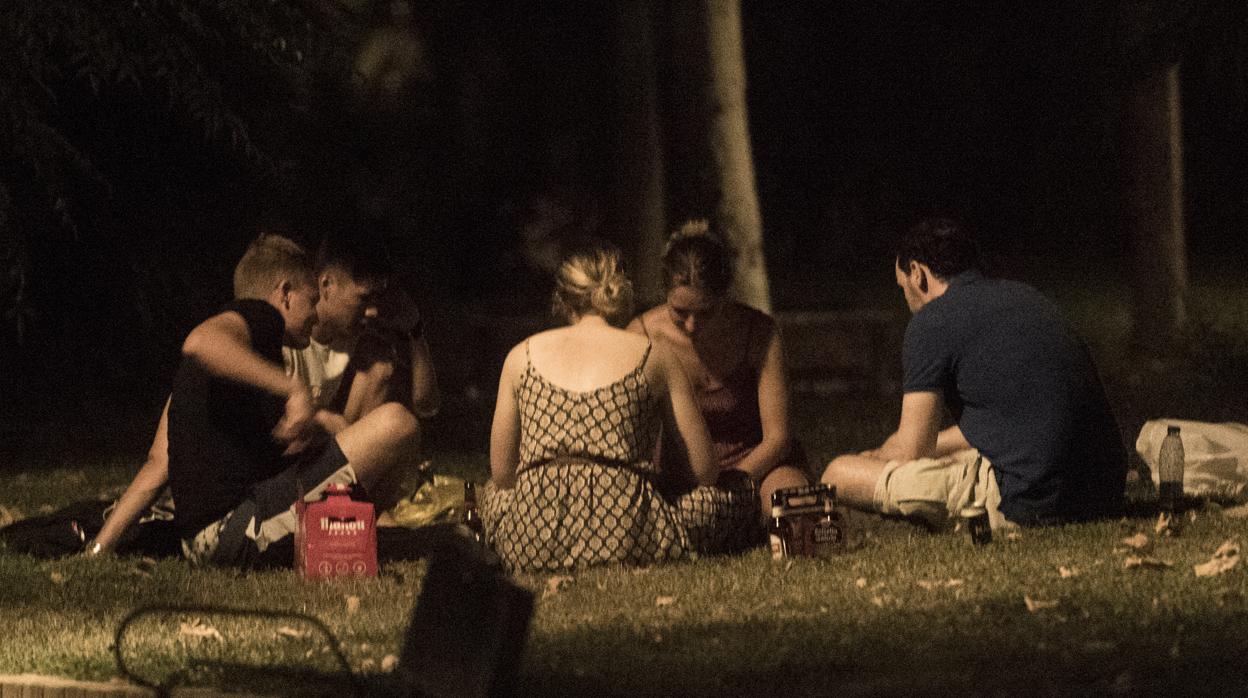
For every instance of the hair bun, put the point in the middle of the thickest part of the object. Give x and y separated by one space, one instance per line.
697 255
594 282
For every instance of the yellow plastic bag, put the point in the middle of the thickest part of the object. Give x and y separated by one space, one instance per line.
439 499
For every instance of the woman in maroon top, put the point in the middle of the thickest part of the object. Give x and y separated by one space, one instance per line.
732 356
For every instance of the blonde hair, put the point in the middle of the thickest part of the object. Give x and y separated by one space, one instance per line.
697 256
268 260
593 282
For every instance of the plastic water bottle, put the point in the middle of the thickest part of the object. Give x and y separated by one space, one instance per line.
1170 471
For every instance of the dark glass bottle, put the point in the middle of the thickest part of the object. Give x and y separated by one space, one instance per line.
472 517
777 529
1170 471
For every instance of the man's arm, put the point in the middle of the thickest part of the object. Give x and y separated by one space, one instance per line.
917 430
141 492
222 345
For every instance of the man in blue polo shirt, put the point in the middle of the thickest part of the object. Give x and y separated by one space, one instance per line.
1034 439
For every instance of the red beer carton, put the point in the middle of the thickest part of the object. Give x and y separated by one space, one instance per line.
336 537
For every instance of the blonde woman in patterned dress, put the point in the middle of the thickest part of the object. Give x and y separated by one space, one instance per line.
571 449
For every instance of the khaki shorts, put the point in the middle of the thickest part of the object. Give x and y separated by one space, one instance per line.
936 489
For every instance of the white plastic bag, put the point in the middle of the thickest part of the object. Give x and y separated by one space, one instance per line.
1215 456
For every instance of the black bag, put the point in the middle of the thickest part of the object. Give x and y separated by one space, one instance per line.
66 531
469 625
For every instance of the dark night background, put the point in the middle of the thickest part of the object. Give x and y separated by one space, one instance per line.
862 116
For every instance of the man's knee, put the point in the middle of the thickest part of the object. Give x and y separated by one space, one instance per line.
838 470
855 479
396 423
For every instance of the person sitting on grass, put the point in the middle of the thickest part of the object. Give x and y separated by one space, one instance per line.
576 422
352 297
1021 387
734 360
367 348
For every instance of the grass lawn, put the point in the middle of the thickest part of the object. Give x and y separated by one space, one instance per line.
1053 611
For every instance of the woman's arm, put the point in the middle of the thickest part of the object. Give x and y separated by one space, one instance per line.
773 412
141 492
505 431
684 419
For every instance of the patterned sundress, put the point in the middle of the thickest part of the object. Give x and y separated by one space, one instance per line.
584 491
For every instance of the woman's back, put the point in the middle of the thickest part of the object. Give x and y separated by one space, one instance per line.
588 392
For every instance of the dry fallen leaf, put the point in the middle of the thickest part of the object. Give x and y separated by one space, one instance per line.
930 584
1014 535
664 600
9 515
556 584
353 605
1167 524
1145 562
861 582
389 663
57 578
1139 541
1034 605
1068 572
294 634
1224 558
197 628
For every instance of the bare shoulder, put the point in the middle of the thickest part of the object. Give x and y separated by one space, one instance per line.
747 317
516 359
749 324
661 362
658 323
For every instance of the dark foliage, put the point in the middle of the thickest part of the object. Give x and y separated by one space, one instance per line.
140 143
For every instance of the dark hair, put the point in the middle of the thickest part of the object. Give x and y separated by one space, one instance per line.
697 257
363 257
941 244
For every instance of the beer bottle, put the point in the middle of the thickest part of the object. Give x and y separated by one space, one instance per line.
472 517
777 530
1170 470
1170 474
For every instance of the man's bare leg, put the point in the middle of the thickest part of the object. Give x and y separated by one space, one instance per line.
379 440
854 478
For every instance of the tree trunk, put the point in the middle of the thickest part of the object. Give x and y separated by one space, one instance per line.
1160 254
736 211
635 209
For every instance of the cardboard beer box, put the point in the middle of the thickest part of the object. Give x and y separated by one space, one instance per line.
336 537
811 526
